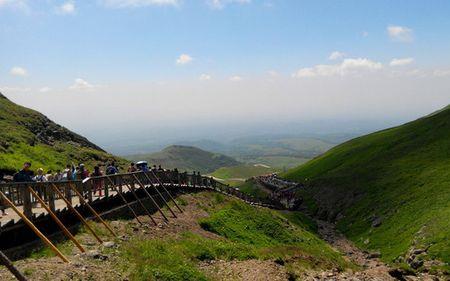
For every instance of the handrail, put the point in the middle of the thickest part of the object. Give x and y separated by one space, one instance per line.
20 195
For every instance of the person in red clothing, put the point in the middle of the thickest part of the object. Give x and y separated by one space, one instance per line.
98 183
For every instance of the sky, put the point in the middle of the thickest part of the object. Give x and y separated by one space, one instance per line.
133 65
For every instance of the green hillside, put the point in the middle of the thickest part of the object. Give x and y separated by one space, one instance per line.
27 135
389 190
236 175
186 158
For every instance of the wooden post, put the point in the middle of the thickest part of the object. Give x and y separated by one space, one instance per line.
90 191
34 228
5 261
124 200
58 222
159 193
131 187
80 217
82 200
165 190
151 198
68 193
51 197
26 201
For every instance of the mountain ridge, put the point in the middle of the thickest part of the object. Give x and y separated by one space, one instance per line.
186 158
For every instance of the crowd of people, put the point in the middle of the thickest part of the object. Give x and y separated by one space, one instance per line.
80 172
71 172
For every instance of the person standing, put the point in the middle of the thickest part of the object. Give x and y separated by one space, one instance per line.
40 177
132 168
98 183
25 174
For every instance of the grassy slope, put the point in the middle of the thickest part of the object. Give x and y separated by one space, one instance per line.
246 233
187 158
401 175
27 135
236 175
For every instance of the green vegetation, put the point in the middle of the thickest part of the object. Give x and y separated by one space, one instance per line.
27 135
252 188
244 232
280 162
187 158
399 177
176 259
237 175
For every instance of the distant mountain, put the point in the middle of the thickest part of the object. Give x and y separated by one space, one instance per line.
187 158
389 191
27 135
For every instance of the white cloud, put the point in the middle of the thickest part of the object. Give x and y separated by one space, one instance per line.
220 4
184 59
204 77
442 73
16 4
138 3
347 67
81 84
66 8
365 34
400 33
401 62
18 71
45 89
236 78
336 55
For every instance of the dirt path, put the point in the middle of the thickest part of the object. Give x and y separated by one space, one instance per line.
372 267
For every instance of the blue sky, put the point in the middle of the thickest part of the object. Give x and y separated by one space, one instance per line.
104 42
293 55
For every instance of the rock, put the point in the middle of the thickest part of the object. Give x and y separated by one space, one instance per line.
374 255
109 244
376 222
416 263
95 254
418 251
398 273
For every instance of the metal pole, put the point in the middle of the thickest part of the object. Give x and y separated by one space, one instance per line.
92 210
124 200
55 188
170 195
4 259
131 187
34 228
58 222
148 194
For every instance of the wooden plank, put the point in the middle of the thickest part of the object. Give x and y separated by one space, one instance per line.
80 217
151 198
124 200
34 228
6 262
58 222
82 200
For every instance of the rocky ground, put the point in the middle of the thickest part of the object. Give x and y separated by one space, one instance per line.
103 262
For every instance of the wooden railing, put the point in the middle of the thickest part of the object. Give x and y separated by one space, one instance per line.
21 195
